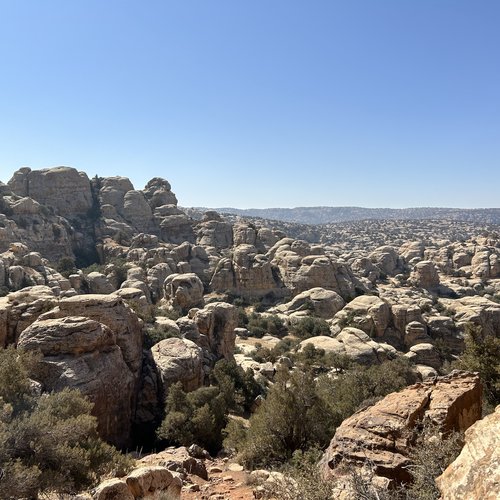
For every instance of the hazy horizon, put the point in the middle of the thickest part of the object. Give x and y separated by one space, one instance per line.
265 104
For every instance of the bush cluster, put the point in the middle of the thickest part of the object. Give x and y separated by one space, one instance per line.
301 412
199 416
49 441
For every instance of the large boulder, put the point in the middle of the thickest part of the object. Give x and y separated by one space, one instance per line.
82 353
19 309
178 360
249 273
111 311
475 473
353 343
368 313
425 275
302 272
477 310
183 291
381 435
146 481
322 303
387 259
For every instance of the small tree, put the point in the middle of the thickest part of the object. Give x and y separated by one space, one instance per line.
482 354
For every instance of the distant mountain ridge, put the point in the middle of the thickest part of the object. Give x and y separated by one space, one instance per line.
327 215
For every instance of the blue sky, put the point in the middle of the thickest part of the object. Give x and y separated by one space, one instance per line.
261 103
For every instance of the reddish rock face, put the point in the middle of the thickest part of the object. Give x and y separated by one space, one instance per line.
382 434
475 473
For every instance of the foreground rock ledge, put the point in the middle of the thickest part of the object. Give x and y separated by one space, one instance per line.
382 434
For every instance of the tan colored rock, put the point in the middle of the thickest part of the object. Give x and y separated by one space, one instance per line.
425 354
475 473
20 309
70 335
145 481
82 353
215 233
478 310
416 333
323 303
184 291
386 258
425 275
382 434
63 188
158 192
111 311
113 489
368 313
217 321
353 343
300 273
178 360
99 283
136 210
480 264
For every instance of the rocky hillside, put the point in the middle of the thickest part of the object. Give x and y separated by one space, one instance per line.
169 321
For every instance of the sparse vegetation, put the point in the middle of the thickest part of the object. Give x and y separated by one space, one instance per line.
47 442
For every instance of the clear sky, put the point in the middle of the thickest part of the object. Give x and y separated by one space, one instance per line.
259 103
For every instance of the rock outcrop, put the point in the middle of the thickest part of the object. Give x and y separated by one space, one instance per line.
178 360
475 473
63 188
381 434
83 354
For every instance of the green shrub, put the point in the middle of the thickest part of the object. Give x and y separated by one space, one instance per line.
482 354
259 325
310 327
344 393
47 442
156 334
66 266
292 417
430 455
197 417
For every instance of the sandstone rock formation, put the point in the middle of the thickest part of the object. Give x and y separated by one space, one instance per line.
63 188
318 301
82 353
142 482
381 434
183 291
217 322
178 360
476 472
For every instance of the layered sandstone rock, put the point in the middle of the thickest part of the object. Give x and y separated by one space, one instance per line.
475 473
425 275
368 313
382 434
82 353
183 291
353 343
318 301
